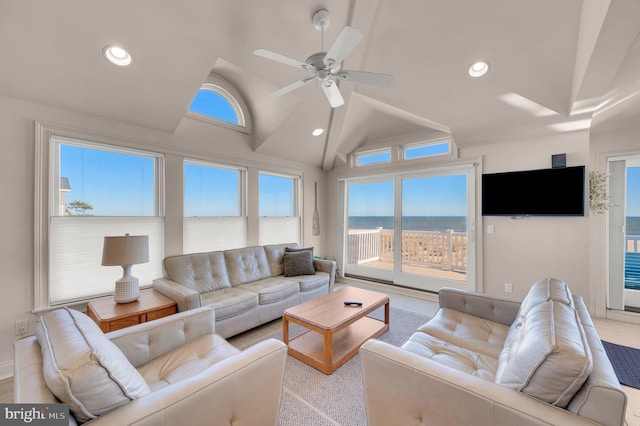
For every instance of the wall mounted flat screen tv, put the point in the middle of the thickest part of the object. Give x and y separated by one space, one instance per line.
544 192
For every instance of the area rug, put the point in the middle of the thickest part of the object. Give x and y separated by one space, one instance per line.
626 363
312 398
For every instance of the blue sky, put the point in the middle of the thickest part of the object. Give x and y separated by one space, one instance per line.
114 184
633 191
428 196
214 105
122 185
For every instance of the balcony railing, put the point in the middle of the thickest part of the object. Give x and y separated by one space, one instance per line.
443 250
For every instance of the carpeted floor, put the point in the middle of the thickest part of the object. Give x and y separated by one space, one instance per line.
626 363
312 398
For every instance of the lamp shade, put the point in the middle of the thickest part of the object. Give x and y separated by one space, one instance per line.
125 250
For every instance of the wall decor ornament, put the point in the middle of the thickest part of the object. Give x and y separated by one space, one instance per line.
598 201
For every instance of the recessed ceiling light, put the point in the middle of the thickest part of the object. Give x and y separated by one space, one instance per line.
478 69
317 132
117 55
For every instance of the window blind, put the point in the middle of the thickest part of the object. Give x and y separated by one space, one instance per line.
75 255
203 234
276 230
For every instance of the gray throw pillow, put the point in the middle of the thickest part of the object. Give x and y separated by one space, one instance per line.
294 250
298 263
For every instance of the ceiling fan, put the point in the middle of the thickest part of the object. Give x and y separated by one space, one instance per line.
325 67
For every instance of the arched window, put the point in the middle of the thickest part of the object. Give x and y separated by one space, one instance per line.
218 102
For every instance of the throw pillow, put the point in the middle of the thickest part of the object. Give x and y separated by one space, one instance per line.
83 368
294 250
298 263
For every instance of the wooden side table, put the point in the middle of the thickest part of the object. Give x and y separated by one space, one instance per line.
111 316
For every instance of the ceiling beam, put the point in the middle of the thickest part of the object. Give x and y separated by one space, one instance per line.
362 15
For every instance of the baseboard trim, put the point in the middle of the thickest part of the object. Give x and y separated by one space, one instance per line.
6 370
625 316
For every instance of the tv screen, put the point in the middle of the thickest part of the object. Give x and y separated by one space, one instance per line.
544 192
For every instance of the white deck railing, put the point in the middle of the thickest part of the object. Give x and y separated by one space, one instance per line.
444 250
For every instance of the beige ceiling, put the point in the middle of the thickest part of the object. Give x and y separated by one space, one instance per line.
551 62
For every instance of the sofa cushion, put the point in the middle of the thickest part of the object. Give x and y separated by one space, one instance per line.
246 264
201 272
298 263
83 368
313 282
546 355
275 254
228 302
272 289
187 361
467 331
453 356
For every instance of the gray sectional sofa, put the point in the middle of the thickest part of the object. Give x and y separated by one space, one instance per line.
247 286
485 360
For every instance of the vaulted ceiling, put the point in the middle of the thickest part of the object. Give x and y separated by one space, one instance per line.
555 65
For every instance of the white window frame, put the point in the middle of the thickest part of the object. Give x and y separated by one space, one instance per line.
396 276
369 153
271 227
209 233
228 91
46 201
422 144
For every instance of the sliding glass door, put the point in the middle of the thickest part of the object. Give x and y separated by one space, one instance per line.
624 233
369 238
412 230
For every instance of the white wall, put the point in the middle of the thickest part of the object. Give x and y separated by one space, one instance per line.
192 138
521 251
525 250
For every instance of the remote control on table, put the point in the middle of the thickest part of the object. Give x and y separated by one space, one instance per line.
352 303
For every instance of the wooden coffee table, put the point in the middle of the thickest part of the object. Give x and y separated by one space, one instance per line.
336 331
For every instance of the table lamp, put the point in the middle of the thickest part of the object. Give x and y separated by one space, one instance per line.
126 251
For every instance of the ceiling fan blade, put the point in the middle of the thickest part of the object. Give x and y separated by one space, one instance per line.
348 39
373 78
290 87
281 58
333 93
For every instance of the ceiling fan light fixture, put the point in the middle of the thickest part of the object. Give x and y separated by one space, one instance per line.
117 55
478 69
318 131
325 65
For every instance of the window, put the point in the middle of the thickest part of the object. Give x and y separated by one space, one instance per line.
219 102
215 102
278 209
95 190
426 149
214 209
373 157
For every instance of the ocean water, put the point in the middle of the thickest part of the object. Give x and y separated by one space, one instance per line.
442 223
413 223
633 225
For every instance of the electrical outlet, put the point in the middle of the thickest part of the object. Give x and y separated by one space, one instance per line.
22 327
508 288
